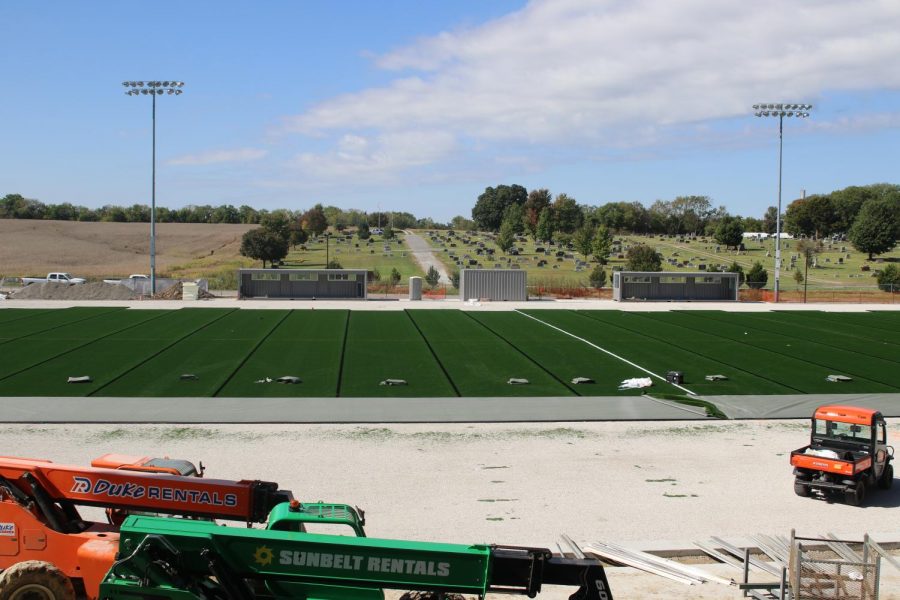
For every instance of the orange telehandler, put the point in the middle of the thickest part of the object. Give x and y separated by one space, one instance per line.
39 520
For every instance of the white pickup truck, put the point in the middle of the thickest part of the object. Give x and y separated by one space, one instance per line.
132 277
54 278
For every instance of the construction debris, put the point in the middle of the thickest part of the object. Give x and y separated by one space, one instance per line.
291 379
838 378
582 380
264 380
636 383
393 382
517 381
80 379
653 564
716 378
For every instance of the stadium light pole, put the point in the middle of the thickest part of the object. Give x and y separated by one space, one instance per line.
780 111
153 89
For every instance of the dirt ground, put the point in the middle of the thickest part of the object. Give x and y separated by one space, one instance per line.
34 248
644 485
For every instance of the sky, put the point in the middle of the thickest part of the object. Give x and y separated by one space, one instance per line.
419 105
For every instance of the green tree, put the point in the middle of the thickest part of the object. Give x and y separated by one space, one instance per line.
515 214
454 279
770 223
545 225
597 278
877 226
537 201
278 223
297 235
432 277
492 204
602 244
388 233
730 232
262 244
395 276
798 279
362 232
333 264
567 213
584 240
506 238
889 279
314 220
757 276
642 257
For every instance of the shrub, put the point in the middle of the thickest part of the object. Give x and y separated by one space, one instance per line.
598 277
395 276
889 279
433 276
643 258
736 268
757 277
333 264
454 279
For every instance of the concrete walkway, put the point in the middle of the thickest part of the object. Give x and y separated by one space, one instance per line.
425 256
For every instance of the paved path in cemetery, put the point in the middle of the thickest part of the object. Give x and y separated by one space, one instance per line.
424 255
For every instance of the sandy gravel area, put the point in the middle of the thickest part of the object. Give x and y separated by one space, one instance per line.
648 485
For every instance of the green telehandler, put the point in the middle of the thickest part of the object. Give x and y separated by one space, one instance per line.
179 559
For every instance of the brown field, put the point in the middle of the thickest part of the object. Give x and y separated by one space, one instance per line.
96 250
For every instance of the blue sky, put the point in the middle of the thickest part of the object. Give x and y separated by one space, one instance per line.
420 105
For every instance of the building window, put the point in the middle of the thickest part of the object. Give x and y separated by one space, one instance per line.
706 280
265 276
637 279
302 276
339 277
672 279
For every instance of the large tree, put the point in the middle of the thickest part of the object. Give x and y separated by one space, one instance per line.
314 220
545 226
568 214
642 257
492 204
602 244
262 244
730 232
507 237
877 226
770 220
584 240
537 201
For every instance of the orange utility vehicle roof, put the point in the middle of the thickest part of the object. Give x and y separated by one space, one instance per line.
846 414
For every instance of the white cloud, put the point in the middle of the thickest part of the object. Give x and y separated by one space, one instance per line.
601 78
219 156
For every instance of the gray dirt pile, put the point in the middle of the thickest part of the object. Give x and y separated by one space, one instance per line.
86 291
176 292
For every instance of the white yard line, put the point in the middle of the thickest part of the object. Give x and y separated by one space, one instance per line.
605 351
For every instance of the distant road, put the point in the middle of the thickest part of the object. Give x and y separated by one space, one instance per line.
424 255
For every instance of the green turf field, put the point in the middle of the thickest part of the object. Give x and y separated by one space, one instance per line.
203 352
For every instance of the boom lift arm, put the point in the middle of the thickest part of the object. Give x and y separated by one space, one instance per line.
195 560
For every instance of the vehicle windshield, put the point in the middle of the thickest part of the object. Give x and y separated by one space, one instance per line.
845 432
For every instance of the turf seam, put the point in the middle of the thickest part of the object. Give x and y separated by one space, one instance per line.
160 351
340 373
88 317
30 315
250 353
605 351
79 347
694 351
784 354
433 354
523 353
754 324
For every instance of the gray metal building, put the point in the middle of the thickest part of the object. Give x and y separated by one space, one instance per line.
345 284
668 285
492 284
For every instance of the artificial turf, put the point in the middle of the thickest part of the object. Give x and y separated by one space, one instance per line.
307 344
440 353
387 345
210 355
478 361
106 358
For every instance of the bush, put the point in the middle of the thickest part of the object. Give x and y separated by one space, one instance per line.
889 279
598 277
736 268
433 276
757 277
454 279
643 258
333 264
395 276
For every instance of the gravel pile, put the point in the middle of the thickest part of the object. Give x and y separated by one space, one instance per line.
176 292
86 291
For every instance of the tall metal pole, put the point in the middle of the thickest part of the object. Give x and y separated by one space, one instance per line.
778 216
153 211
154 88
781 111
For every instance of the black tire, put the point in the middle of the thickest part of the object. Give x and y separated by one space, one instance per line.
887 478
35 580
800 489
431 596
854 497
